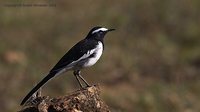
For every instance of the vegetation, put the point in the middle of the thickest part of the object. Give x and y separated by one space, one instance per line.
150 63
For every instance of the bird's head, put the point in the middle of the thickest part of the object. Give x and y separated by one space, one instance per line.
98 32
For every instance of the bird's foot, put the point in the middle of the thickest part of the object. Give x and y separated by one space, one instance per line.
85 87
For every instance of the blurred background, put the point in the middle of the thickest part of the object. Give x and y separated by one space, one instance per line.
151 63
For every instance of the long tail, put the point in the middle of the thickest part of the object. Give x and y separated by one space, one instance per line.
38 86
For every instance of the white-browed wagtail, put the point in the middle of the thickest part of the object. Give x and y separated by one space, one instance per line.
84 54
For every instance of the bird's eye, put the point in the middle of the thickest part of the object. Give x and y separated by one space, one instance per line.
100 32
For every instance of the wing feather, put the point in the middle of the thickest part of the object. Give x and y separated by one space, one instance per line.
81 50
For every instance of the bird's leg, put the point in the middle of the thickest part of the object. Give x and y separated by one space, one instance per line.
76 75
79 74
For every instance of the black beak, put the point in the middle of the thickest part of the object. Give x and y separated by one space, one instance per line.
110 30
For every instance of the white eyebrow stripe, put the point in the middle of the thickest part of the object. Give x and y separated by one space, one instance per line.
100 29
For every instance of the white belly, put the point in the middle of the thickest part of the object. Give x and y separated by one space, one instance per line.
98 52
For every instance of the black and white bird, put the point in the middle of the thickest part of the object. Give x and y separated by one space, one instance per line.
84 54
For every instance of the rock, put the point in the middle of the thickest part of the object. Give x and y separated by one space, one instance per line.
84 100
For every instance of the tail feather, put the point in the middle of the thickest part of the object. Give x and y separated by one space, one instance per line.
38 86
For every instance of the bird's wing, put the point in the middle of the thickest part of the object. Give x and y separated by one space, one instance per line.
81 50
